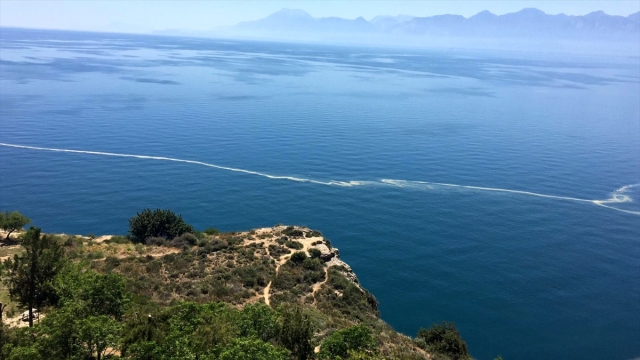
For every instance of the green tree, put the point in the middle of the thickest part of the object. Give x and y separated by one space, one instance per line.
30 275
259 320
99 335
354 339
157 223
144 350
296 333
96 294
12 221
443 339
252 348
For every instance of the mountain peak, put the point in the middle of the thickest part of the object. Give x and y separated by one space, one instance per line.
485 14
291 13
598 13
531 11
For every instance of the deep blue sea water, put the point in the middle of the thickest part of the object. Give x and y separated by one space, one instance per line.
521 275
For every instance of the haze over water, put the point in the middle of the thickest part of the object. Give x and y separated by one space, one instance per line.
367 145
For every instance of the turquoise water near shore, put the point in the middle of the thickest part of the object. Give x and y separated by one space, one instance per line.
318 132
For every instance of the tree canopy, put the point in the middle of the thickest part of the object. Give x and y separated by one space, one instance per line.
12 221
157 223
443 339
31 274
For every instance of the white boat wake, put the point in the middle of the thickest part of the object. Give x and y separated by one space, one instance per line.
617 197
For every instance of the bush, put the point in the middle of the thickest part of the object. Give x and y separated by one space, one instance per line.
186 239
298 257
292 232
157 223
443 339
157 241
95 255
357 338
312 264
315 253
296 333
252 348
111 262
294 245
211 231
118 240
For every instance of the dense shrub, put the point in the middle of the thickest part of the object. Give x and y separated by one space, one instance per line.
277 251
292 232
443 339
252 348
296 333
315 253
298 257
111 262
352 301
259 320
186 239
294 245
312 264
157 223
357 338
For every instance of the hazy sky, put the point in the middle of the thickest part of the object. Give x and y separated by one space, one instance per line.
206 15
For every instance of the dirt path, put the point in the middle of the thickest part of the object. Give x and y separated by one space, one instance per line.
316 287
306 245
267 289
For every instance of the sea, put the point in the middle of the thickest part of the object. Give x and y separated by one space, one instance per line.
496 190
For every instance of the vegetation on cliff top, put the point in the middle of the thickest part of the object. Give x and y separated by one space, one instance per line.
167 291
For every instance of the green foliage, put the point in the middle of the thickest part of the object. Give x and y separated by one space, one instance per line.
313 265
260 321
294 245
211 231
315 253
443 339
343 295
298 257
186 239
91 293
297 275
292 232
118 240
99 335
252 348
158 223
296 333
355 339
12 221
30 275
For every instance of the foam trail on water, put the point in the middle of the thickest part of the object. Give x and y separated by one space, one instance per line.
162 158
618 196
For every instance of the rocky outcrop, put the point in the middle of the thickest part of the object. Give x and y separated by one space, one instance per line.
327 254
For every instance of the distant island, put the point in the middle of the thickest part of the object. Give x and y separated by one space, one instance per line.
168 291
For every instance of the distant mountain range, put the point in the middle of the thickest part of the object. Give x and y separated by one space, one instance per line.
528 23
